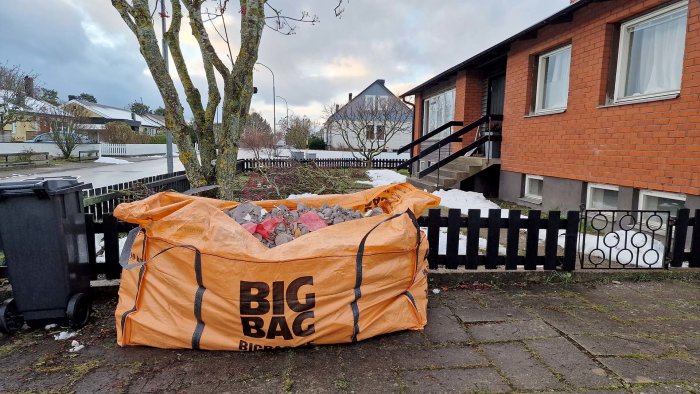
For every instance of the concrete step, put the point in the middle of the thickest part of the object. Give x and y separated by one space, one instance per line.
421 184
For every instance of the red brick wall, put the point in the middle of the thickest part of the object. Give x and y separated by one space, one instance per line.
468 94
417 120
646 145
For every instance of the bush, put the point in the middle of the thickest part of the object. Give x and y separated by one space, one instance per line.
121 133
317 143
158 139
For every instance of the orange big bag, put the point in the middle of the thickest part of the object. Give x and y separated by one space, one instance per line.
194 278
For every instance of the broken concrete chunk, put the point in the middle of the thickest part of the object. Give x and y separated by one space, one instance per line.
283 238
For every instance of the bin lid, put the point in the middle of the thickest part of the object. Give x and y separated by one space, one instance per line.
42 186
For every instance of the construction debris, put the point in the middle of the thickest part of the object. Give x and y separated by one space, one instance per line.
283 225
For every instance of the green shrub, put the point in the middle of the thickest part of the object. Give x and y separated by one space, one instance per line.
158 139
317 143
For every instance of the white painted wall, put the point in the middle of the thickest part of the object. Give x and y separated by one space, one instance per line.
51 148
397 141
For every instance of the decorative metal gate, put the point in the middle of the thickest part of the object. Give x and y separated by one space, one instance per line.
621 239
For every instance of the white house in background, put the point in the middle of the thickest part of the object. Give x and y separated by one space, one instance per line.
375 95
101 114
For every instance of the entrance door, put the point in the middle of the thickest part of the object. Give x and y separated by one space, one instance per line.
496 99
497 94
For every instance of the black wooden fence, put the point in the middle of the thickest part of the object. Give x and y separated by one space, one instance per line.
474 256
252 164
103 200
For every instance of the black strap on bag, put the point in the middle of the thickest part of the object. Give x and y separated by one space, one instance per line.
199 295
358 270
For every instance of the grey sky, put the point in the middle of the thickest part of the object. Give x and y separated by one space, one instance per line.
83 46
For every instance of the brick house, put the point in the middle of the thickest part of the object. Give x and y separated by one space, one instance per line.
599 104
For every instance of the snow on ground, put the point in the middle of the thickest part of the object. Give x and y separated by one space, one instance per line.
111 160
627 248
302 195
383 177
459 199
462 248
100 245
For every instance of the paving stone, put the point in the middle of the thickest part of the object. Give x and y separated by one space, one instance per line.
644 310
668 389
521 367
618 391
369 369
635 370
257 385
439 358
665 328
577 368
444 327
511 331
481 315
580 321
615 345
400 339
454 380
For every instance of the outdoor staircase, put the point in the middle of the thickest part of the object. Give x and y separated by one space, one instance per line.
453 173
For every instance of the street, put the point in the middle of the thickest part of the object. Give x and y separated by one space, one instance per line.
97 174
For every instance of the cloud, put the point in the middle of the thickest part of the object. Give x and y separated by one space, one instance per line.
83 45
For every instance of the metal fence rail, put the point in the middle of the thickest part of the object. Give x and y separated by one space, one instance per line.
103 200
252 164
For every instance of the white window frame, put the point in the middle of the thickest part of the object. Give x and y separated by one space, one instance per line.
623 56
426 112
589 193
653 193
370 102
382 102
528 177
541 78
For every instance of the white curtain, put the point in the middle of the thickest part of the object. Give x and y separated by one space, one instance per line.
440 109
656 50
556 87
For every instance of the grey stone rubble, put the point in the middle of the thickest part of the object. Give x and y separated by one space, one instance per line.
290 229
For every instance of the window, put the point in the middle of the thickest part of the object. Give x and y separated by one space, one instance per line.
370 102
369 132
661 201
382 102
553 80
602 197
438 110
650 61
533 186
379 132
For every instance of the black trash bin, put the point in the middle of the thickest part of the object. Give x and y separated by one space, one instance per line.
43 233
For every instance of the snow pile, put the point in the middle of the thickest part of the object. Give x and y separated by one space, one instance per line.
626 248
459 199
111 160
462 247
383 177
302 195
63 335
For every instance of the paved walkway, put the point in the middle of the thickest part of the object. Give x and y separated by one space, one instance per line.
613 338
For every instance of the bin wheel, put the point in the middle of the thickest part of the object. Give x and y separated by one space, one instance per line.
78 310
10 320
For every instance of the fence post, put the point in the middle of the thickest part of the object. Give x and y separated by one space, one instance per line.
533 237
513 239
695 242
433 237
492 238
90 239
453 219
679 241
111 240
473 219
550 246
572 219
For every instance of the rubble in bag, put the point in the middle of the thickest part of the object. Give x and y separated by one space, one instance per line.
283 225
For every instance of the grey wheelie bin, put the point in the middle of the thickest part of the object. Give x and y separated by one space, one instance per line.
43 234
